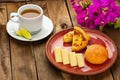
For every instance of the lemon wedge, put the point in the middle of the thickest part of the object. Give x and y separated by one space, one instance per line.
18 33
24 33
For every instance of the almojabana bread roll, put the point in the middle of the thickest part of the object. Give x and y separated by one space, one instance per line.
96 54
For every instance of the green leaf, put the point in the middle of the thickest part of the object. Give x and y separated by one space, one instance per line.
117 25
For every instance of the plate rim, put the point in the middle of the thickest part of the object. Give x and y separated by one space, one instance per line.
84 74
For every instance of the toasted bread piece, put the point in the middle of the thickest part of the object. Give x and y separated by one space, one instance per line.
68 37
80 39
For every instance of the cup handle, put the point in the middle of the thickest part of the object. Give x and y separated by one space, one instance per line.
14 17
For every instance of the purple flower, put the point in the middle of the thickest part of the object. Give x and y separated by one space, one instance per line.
77 8
91 25
81 17
98 13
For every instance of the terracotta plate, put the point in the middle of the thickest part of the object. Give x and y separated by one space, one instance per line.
89 69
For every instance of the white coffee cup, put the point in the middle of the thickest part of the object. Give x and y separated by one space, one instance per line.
32 23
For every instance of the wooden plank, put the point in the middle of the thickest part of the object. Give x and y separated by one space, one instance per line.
73 77
11 0
59 14
102 76
71 12
3 17
5 66
44 69
34 0
23 63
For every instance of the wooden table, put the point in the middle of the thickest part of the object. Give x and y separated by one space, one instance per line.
27 61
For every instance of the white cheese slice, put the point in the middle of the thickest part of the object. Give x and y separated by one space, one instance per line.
80 60
58 55
73 61
65 56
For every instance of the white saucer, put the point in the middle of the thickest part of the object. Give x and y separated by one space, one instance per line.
46 29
